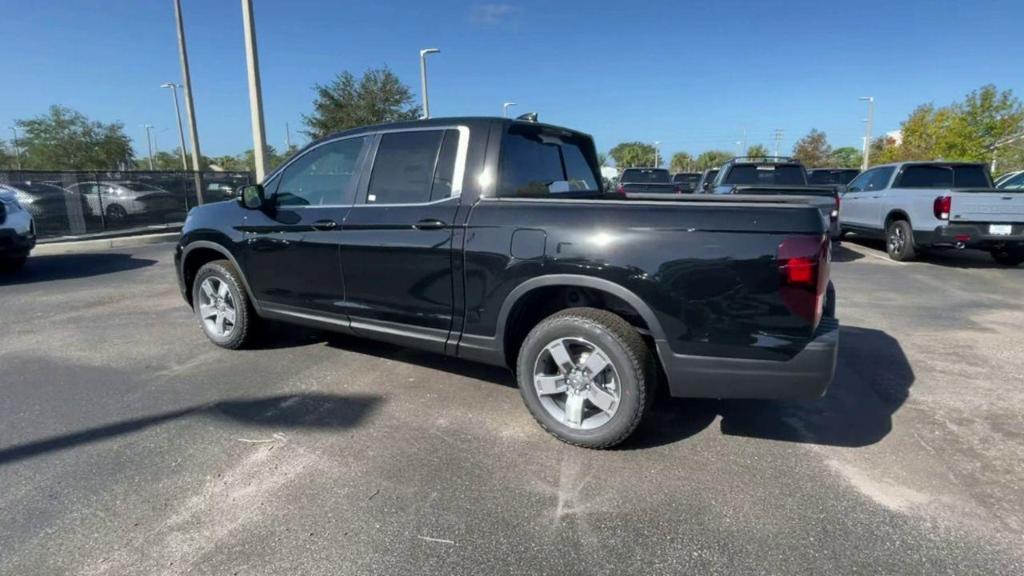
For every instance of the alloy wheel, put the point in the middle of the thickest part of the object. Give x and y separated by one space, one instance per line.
217 307
577 383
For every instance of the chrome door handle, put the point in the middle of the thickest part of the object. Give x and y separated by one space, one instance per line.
324 225
429 224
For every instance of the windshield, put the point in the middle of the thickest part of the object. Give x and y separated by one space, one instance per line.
645 176
688 179
766 175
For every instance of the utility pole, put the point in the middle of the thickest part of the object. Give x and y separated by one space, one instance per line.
252 62
149 143
423 78
656 155
505 107
287 138
867 131
190 108
777 135
17 148
177 113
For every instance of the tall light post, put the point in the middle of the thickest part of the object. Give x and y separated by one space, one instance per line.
149 143
423 78
656 155
867 130
252 62
17 148
177 114
190 109
505 107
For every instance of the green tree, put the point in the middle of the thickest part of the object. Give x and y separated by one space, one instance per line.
63 139
847 157
681 162
376 97
8 159
712 159
813 150
632 154
758 151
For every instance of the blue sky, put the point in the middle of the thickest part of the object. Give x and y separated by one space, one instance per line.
693 75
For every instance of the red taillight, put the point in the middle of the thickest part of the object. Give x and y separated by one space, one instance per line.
942 206
620 190
839 201
803 275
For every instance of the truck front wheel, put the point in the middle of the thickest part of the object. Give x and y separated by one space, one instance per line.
899 240
586 376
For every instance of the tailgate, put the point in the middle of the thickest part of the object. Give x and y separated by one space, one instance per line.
648 188
987 205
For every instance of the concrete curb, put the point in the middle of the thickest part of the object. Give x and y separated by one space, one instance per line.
76 247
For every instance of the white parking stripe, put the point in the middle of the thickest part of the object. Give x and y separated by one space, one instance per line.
873 253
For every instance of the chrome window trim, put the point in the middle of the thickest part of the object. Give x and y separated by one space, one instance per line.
458 175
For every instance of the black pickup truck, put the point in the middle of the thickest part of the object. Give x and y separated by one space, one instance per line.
491 240
779 176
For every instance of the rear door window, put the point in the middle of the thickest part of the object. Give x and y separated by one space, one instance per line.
403 170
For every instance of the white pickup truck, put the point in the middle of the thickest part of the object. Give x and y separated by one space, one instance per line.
915 206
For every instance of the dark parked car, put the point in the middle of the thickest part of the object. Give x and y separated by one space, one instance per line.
491 240
839 176
780 176
49 204
686 182
646 181
706 180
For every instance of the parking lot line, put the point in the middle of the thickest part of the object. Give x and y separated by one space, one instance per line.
865 251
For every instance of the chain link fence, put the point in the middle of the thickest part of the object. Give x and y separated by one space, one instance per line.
91 203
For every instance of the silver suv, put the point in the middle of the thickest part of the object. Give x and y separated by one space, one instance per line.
922 205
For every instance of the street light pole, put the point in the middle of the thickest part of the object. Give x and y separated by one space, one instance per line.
190 108
657 156
867 130
177 113
252 62
149 143
505 107
17 149
423 78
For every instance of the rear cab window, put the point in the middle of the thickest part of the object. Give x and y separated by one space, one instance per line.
645 176
766 175
540 161
943 176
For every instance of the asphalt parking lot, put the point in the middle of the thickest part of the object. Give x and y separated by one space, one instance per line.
131 445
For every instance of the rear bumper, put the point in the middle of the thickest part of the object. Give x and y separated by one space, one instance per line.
806 375
971 235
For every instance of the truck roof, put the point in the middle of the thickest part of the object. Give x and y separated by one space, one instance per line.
444 121
929 163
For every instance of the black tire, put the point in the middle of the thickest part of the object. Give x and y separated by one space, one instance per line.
1009 255
13 264
116 215
899 241
628 354
243 331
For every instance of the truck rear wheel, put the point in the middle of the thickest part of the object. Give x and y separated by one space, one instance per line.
899 241
586 376
1008 255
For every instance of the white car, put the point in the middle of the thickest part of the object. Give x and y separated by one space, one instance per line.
17 233
917 206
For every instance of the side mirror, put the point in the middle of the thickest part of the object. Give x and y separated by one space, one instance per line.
252 196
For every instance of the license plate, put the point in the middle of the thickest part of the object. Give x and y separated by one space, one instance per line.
1000 229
